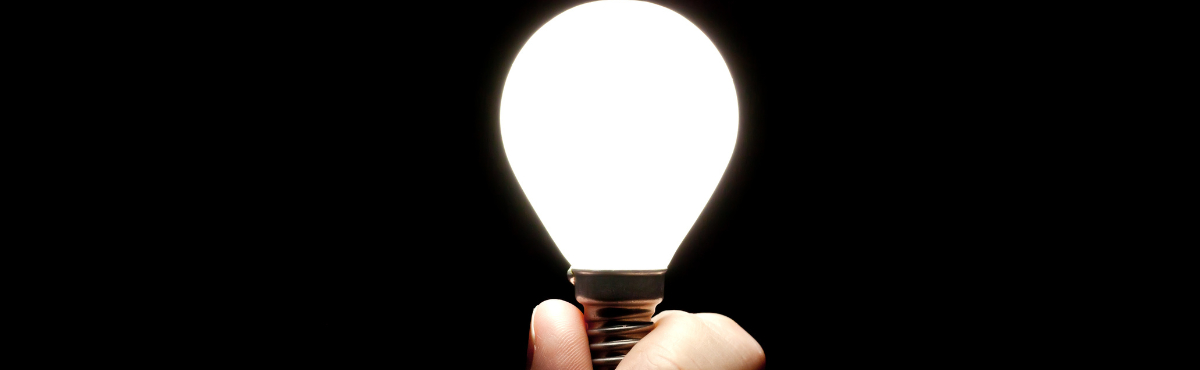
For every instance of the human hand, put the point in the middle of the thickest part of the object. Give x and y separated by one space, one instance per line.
680 340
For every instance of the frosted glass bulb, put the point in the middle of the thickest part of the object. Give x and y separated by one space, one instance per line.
618 119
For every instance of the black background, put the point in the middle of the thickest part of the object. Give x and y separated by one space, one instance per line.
354 204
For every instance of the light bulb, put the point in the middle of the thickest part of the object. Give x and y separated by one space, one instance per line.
618 119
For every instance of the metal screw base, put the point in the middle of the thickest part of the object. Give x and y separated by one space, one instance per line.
617 306
613 329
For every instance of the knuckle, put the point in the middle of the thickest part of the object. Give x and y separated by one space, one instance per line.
738 339
719 319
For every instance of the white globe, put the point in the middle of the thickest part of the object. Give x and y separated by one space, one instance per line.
619 118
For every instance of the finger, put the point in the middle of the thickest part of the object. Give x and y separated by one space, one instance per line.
682 340
558 337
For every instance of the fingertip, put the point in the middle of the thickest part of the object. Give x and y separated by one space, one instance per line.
556 304
665 314
561 341
557 312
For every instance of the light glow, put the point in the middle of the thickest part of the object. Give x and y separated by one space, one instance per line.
618 119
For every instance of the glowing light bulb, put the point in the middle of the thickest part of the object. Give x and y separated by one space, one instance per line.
618 119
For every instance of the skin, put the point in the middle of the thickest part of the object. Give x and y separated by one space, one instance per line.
679 341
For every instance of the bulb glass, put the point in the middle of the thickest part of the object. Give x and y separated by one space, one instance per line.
618 119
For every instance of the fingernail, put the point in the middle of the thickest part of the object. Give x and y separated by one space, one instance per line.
532 333
532 342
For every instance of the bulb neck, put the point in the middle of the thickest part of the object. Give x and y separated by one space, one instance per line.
617 306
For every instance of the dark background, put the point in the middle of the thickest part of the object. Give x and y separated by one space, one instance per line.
354 204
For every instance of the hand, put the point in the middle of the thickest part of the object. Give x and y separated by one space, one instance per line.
681 340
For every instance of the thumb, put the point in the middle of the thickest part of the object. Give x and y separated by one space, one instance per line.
705 341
